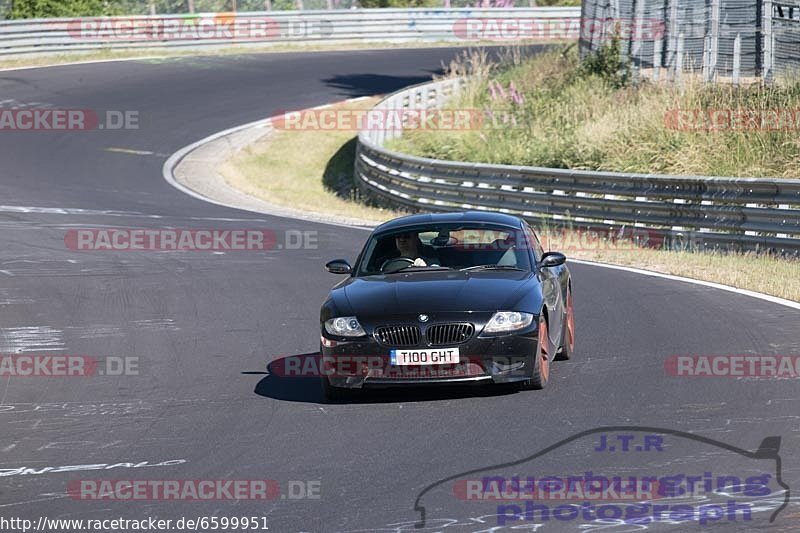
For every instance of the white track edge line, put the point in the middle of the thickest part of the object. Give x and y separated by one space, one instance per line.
711 284
87 62
175 159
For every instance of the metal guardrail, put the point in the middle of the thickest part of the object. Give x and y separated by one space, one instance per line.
19 37
693 212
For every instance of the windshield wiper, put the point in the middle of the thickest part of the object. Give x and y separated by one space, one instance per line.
493 267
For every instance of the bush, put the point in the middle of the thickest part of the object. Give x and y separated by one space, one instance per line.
607 64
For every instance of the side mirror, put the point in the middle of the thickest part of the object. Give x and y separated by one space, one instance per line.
552 259
338 266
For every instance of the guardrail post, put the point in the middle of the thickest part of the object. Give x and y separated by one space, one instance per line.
381 135
714 39
634 40
658 46
672 43
769 42
737 58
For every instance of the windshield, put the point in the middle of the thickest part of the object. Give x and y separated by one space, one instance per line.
444 247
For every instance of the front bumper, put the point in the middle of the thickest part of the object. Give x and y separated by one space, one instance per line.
365 363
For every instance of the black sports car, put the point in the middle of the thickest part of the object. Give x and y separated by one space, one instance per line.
447 298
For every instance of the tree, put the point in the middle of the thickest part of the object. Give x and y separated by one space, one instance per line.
28 9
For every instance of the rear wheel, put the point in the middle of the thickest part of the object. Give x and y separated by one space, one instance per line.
568 335
541 359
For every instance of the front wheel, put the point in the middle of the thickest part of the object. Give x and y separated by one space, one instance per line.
541 359
329 392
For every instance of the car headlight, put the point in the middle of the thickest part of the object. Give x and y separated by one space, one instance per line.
344 326
508 321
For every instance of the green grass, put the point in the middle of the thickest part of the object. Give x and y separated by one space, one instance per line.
567 118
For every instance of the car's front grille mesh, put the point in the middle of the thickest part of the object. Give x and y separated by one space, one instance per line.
398 335
436 334
441 334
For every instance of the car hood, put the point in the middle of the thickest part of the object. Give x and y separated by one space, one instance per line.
430 292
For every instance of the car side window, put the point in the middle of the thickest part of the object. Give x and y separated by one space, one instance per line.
538 251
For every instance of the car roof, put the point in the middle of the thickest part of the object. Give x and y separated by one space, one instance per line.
461 216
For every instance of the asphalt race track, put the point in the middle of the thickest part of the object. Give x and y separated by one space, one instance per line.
205 326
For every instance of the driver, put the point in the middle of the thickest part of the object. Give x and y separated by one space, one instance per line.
409 245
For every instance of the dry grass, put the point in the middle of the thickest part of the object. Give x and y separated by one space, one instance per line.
759 273
307 170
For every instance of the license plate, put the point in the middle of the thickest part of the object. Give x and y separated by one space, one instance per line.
438 356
